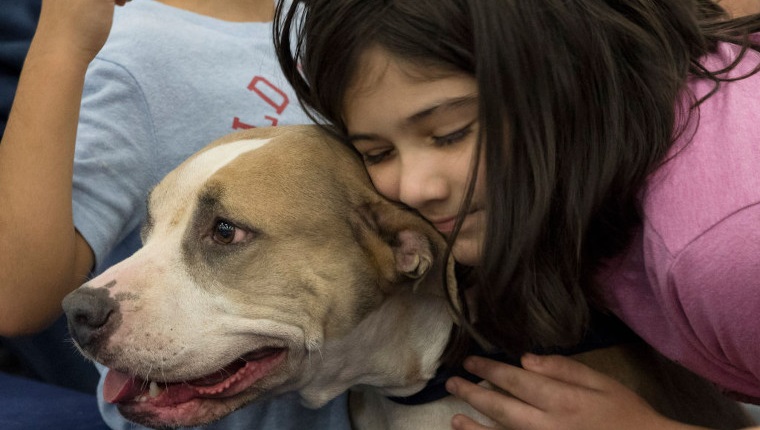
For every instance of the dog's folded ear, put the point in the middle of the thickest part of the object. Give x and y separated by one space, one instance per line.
406 249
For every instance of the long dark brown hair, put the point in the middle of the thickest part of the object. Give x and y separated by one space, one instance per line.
577 107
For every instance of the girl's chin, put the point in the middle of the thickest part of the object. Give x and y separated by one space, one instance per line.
468 244
466 253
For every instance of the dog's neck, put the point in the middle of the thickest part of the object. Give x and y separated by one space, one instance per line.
396 349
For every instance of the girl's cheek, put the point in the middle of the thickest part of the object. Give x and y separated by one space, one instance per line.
384 183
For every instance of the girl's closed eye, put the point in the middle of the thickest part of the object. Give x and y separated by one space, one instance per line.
454 137
376 156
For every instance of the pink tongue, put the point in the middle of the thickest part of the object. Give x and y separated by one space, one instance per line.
119 386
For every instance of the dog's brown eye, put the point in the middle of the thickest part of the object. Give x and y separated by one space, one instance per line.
224 232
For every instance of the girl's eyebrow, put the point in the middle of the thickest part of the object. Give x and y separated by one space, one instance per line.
446 104
437 106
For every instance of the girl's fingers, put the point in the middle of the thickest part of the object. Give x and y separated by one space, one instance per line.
506 410
566 369
552 391
463 422
532 388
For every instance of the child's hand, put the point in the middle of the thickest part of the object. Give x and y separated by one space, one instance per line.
75 28
552 392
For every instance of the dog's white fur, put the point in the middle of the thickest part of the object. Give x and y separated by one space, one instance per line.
347 283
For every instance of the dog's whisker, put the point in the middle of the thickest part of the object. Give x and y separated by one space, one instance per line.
161 370
309 355
227 372
146 380
73 345
147 373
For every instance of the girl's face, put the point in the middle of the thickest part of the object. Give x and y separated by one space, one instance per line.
417 136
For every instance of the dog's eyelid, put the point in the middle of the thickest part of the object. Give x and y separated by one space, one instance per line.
237 223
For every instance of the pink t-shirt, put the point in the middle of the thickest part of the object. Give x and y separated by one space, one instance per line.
690 283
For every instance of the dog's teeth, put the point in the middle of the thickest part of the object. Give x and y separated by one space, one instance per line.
154 390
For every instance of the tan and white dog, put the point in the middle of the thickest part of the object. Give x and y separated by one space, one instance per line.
271 265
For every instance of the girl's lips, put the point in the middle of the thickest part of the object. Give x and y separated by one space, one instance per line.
445 225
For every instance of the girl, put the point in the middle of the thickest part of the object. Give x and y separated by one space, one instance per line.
578 154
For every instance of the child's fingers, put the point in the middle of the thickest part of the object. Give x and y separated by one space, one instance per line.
529 387
567 370
463 422
506 410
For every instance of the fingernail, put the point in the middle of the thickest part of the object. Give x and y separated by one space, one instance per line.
531 359
470 363
452 385
456 422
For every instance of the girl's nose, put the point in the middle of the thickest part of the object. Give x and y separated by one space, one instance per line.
421 184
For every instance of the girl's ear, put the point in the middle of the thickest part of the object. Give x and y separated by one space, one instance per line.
406 249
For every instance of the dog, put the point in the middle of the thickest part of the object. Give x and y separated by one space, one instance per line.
270 265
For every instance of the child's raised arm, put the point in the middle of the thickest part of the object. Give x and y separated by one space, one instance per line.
42 257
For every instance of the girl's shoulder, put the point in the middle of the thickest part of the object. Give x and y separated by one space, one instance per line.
712 170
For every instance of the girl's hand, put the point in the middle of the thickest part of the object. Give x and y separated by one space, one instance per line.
74 28
552 392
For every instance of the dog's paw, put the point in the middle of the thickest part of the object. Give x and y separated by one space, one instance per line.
413 254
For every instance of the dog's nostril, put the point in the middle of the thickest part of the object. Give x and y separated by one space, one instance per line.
93 320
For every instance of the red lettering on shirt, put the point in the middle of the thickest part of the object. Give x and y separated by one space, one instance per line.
270 94
240 125
237 124
264 89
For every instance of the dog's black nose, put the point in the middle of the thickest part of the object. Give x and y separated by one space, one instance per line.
90 313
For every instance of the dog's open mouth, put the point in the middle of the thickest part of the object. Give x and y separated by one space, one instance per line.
173 401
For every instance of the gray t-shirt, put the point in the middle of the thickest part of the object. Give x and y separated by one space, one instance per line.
167 83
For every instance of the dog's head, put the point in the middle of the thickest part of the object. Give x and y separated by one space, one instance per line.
258 252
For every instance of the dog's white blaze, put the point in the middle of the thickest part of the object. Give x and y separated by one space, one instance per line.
202 167
192 175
